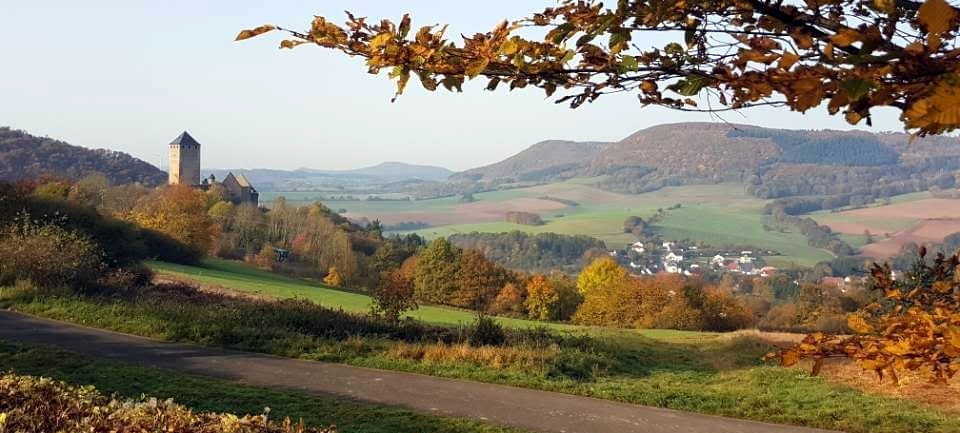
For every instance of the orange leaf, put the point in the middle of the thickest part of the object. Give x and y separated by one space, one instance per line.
788 59
936 16
247 34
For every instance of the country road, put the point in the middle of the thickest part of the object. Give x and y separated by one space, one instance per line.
517 407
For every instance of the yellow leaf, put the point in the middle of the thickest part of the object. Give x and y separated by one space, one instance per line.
290 43
476 67
856 322
247 34
852 117
901 348
845 37
936 17
953 336
787 60
884 5
789 358
380 40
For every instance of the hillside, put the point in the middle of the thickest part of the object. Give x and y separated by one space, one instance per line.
776 162
546 160
25 156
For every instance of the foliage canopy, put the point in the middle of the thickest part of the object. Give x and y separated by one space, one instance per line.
854 54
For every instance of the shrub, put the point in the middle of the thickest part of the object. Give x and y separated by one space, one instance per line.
486 332
31 404
47 254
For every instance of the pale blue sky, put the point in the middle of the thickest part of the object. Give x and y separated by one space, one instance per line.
131 74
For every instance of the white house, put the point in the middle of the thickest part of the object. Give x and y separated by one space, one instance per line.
717 261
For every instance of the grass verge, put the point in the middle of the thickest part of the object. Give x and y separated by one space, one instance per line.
204 394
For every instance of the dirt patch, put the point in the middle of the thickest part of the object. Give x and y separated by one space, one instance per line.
855 228
925 231
476 212
932 208
487 210
913 386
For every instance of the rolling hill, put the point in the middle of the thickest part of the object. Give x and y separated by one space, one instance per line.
320 180
25 156
546 160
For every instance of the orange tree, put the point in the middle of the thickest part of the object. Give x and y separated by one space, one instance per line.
853 54
915 326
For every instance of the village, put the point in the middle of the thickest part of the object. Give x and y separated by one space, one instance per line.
683 257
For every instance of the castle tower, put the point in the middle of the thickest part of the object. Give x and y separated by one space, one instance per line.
184 160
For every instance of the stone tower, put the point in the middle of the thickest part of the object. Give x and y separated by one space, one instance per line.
184 160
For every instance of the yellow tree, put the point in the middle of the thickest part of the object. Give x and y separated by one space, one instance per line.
333 277
853 54
542 298
179 212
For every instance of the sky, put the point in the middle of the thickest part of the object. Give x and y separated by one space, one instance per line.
130 75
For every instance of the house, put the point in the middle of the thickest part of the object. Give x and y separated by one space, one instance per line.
672 263
768 271
239 190
717 261
638 247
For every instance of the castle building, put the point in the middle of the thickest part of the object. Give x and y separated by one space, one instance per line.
185 170
184 161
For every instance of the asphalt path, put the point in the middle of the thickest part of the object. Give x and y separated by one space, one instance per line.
510 406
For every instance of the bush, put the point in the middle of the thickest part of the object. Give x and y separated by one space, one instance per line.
31 404
48 255
487 332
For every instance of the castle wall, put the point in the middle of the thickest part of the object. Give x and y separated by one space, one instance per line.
184 165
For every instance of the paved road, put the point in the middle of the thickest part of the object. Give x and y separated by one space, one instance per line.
517 407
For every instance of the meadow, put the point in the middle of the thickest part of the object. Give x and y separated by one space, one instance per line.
717 214
710 373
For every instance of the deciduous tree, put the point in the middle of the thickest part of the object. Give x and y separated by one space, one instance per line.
542 300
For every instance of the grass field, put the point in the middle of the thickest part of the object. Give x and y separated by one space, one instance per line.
716 214
242 278
204 394
708 373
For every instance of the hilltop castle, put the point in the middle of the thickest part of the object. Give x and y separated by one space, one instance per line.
185 170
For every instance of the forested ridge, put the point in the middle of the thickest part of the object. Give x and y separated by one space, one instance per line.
25 156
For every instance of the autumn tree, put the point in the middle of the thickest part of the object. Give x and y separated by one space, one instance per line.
508 301
333 277
478 281
179 212
915 326
542 300
394 295
734 54
600 284
435 275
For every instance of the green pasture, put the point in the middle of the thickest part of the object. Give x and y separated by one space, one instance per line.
242 278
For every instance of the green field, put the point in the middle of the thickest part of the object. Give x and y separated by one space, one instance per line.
719 214
242 278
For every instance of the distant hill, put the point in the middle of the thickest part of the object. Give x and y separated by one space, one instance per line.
546 160
775 162
24 156
401 171
314 179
